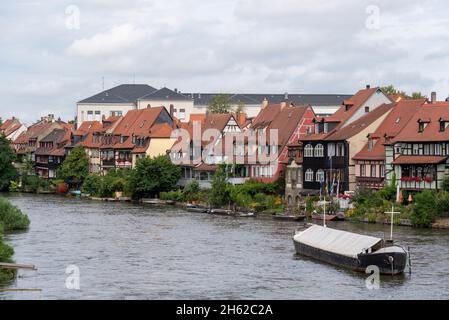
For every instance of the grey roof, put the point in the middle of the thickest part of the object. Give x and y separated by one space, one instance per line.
124 93
204 99
55 136
165 94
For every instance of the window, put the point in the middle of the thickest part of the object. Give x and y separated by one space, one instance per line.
319 150
97 115
426 149
415 149
115 113
442 126
320 176
363 170
373 171
366 109
317 128
438 149
331 150
308 151
382 171
182 114
90 115
309 175
326 127
340 150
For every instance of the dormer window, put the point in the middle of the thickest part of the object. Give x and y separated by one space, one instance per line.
366 109
371 144
442 126
422 125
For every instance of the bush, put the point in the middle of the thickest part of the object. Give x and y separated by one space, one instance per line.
172 196
445 184
11 217
442 203
6 253
191 191
93 185
34 183
424 210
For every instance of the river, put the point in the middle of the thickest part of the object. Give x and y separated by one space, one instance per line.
128 251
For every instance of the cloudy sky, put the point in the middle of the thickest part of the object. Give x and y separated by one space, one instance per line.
54 53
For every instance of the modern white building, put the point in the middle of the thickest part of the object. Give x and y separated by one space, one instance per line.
119 100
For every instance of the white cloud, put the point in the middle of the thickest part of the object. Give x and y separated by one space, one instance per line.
118 39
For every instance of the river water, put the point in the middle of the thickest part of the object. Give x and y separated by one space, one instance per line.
127 251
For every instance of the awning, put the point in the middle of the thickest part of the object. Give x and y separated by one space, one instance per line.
419 160
336 241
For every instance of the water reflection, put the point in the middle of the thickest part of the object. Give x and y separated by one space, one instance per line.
127 251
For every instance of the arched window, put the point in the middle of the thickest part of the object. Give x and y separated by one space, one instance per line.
309 175
308 151
319 150
320 176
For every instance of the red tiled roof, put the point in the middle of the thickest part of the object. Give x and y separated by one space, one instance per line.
361 124
88 126
419 160
396 120
432 113
161 130
197 117
138 122
266 116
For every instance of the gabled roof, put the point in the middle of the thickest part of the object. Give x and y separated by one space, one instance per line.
88 126
395 121
286 122
164 94
266 116
355 102
138 122
124 93
431 112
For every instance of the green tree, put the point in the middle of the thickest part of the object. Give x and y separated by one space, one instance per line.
75 167
240 108
191 191
391 90
425 210
417 95
152 176
445 184
7 171
220 104
219 194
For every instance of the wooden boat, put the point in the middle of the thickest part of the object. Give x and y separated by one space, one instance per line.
327 217
222 212
197 209
285 217
246 214
153 201
350 250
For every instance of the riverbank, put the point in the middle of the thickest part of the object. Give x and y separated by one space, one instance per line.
11 219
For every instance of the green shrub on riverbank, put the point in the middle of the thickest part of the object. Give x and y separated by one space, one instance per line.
7 171
11 218
106 186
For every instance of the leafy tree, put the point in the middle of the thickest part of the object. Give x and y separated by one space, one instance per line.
417 95
220 104
391 90
7 171
219 194
75 167
425 210
152 176
191 191
11 217
240 108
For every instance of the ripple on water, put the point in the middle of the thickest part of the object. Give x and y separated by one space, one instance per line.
127 251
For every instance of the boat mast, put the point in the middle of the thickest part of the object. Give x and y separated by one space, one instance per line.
392 221
324 217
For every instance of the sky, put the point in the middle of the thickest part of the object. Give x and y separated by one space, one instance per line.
54 53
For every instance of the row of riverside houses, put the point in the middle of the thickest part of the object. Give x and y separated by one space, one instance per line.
115 142
117 101
289 122
370 140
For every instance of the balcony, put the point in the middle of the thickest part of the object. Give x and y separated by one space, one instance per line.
417 184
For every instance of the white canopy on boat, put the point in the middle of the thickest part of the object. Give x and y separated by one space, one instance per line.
336 241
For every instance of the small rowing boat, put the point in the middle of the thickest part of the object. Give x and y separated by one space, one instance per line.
285 217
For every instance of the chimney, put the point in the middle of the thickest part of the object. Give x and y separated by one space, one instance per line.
148 106
264 103
176 90
447 99
172 109
433 96
286 96
368 86
283 105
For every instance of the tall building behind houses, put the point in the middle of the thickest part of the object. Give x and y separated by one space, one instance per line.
118 100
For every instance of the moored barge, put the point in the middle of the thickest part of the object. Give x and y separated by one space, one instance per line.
350 250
